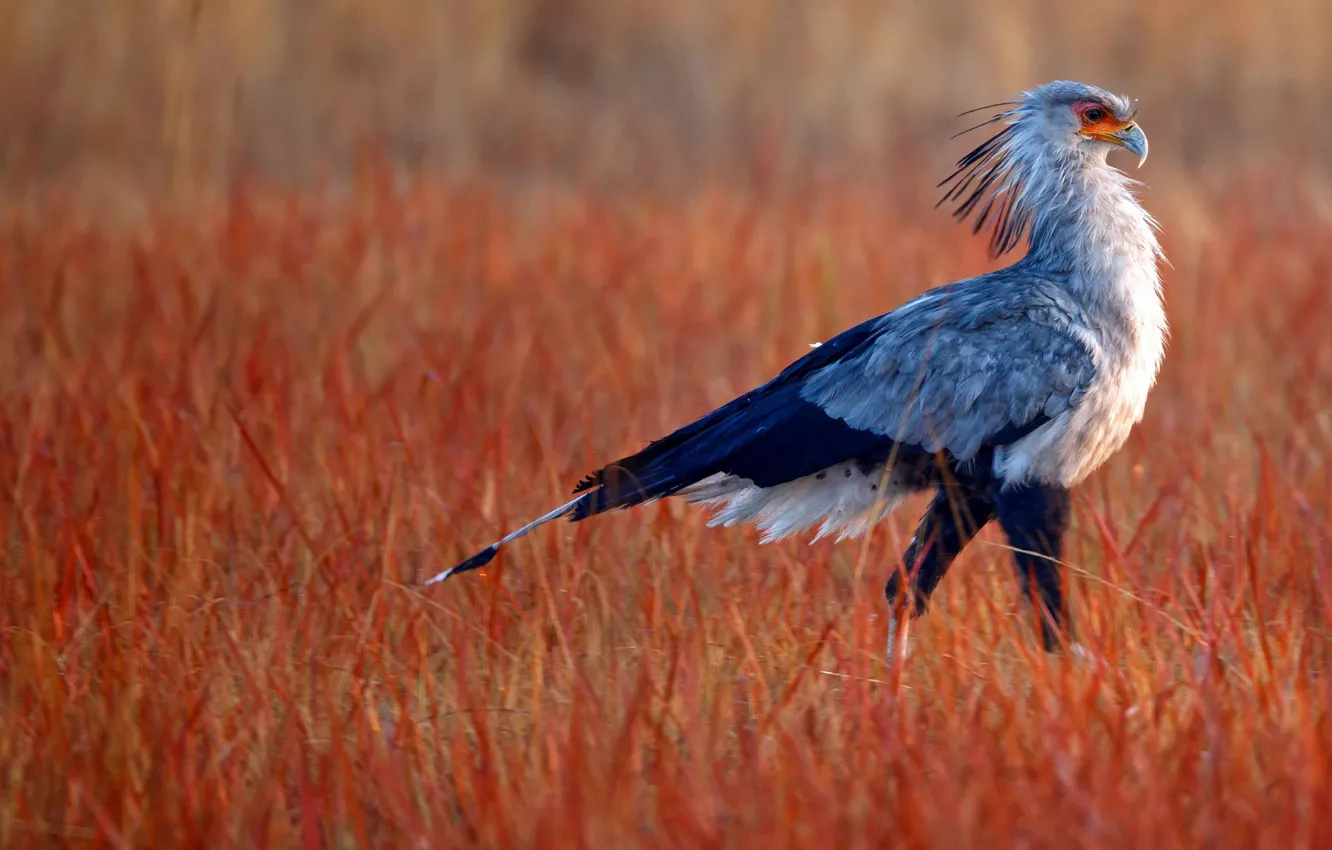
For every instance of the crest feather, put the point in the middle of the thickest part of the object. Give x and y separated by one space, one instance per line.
988 185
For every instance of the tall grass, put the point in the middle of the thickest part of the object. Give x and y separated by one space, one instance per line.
236 439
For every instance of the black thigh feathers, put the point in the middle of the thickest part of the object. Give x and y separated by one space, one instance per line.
1034 518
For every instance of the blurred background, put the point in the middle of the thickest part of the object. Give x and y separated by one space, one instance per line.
186 94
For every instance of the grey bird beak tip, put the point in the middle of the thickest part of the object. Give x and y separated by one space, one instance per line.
1134 141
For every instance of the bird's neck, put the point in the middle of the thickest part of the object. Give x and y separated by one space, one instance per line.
1089 230
1090 235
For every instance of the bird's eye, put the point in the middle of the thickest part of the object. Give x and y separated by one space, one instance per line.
1093 115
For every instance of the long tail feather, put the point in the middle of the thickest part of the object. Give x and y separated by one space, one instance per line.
476 562
486 555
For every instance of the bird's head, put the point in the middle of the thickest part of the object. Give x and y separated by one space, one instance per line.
1078 117
1043 136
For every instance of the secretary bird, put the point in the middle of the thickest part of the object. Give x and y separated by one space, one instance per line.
997 393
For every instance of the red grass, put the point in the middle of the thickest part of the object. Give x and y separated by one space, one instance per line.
236 440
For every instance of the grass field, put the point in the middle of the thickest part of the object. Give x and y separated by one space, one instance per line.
236 441
245 413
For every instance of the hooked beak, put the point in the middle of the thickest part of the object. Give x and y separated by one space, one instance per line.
1132 139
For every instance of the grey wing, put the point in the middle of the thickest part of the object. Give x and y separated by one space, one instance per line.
957 385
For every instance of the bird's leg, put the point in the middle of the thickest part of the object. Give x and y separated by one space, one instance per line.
1035 517
955 515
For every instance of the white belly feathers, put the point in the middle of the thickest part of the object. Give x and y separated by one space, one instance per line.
847 500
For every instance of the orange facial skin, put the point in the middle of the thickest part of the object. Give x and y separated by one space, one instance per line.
1099 121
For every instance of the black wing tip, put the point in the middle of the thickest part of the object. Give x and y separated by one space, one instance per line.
476 562
589 481
621 484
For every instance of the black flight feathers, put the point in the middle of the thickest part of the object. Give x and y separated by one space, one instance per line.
769 435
